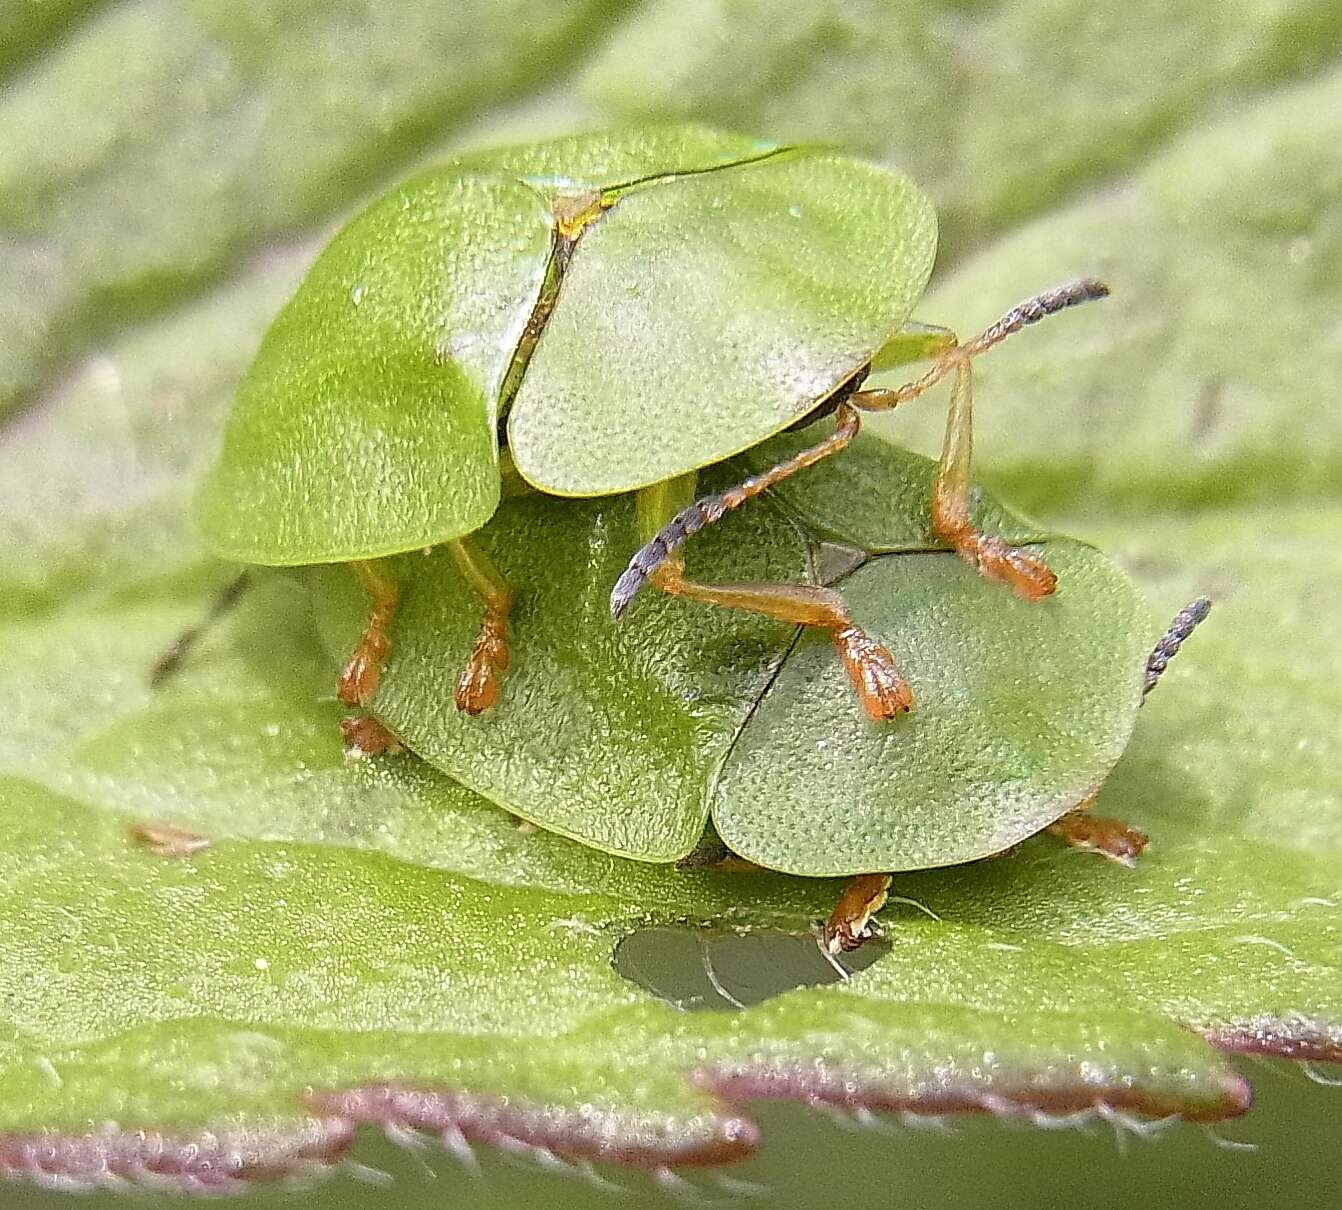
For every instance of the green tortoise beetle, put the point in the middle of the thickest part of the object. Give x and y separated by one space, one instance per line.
594 316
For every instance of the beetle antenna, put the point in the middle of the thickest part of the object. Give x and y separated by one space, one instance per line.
708 509
1185 622
1022 315
1032 310
169 662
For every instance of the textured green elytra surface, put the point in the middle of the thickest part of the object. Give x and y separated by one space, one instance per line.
726 288
630 736
701 316
1019 715
366 424
150 150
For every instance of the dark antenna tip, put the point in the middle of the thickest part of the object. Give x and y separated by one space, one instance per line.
625 590
167 664
1185 622
170 661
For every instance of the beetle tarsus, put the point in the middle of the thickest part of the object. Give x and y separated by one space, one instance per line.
849 924
882 692
1112 838
1185 622
995 559
478 687
870 666
364 736
952 517
1028 576
362 672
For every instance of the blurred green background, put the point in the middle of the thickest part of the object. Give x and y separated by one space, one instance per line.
159 156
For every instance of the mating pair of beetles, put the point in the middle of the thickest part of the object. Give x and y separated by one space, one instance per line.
611 314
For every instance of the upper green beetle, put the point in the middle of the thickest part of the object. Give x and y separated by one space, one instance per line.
595 315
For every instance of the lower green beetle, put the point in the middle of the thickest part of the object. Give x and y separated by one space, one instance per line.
588 318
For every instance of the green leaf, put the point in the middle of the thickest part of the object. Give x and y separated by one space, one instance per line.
226 961
154 146
1001 109
250 987
161 169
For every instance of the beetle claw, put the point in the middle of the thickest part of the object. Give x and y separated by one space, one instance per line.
1113 838
477 690
365 736
360 677
843 938
849 924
